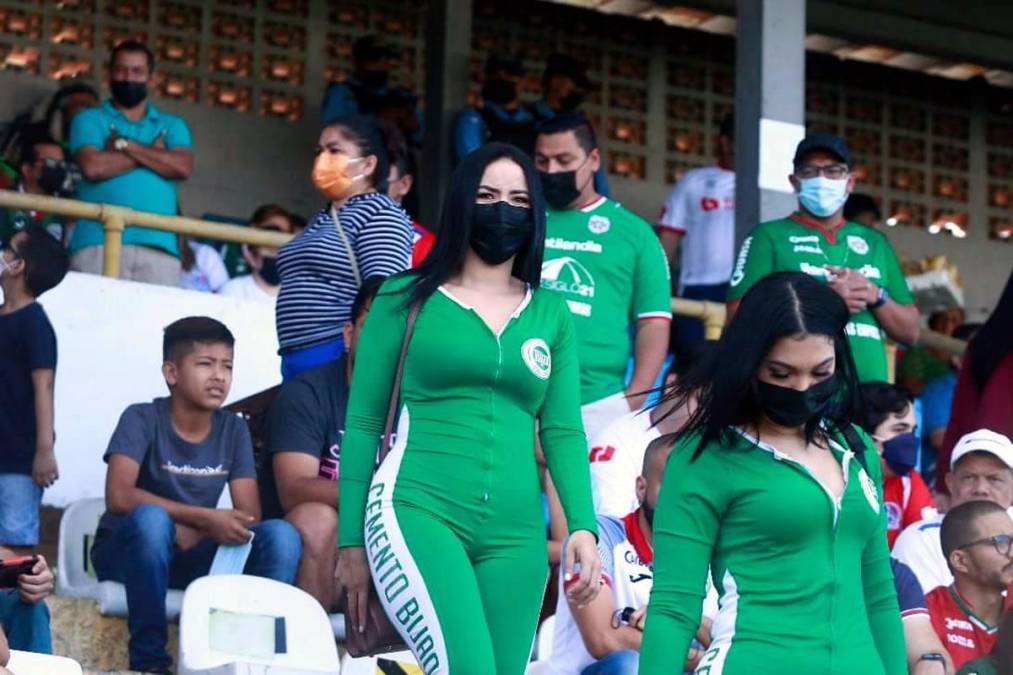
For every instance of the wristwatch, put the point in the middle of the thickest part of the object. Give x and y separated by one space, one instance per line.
120 144
881 297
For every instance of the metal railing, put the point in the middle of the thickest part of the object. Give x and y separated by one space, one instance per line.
115 219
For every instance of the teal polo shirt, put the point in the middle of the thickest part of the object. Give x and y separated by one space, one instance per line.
139 188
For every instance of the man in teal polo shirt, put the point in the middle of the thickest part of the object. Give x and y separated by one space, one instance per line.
857 261
133 155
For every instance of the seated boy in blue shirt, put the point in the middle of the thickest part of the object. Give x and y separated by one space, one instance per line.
169 461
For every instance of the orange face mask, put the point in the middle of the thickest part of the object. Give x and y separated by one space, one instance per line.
330 174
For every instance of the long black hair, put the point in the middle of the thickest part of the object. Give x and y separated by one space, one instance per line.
452 240
994 340
725 382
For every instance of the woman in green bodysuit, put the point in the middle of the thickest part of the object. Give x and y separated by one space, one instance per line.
771 488
451 525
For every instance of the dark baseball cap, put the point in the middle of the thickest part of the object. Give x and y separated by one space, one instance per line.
826 142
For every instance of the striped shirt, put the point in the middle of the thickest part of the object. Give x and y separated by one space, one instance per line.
317 281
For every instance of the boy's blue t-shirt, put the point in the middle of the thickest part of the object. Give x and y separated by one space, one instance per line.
937 399
176 469
141 189
27 343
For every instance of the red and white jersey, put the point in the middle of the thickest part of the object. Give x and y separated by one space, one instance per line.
701 206
965 636
908 500
616 459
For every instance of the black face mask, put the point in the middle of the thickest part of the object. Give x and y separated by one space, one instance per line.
571 101
499 91
499 231
793 408
560 188
53 178
269 270
127 93
374 79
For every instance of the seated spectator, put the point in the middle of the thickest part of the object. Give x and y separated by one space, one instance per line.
977 540
921 365
300 471
1000 661
617 453
44 171
203 268
925 653
399 186
263 281
131 154
24 616
862 208
501 117
598 639
889 417
169 461
983 397
31 263
937 397
981 469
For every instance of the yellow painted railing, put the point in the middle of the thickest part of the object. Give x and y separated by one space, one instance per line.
115 218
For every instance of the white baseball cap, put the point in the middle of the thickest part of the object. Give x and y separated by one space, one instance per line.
983 440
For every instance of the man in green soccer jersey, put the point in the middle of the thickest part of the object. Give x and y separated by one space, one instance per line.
609 265
858 262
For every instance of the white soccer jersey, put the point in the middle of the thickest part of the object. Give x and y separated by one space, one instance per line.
616 458
701 206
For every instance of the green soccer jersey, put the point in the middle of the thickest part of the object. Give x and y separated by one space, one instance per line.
803 575
791 245
13 221
608 264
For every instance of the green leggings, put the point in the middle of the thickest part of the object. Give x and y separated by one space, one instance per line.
464 593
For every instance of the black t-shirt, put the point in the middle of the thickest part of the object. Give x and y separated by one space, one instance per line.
308 416
27 343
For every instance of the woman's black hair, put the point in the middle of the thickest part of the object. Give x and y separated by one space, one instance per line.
364 132
452 243
780 305
879 401
994 341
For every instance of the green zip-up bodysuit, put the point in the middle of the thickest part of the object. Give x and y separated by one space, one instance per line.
804 580
452 521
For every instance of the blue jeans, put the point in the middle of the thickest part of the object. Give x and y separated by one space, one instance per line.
19 510
295 361
26 625
625 662
142 555
690 331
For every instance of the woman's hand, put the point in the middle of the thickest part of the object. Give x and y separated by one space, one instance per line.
353 574
581 549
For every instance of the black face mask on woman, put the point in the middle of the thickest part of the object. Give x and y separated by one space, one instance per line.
499 231
793 408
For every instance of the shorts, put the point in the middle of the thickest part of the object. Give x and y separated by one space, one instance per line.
20 499
599 414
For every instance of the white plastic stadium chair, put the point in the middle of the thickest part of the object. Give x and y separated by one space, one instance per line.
246 625
30 663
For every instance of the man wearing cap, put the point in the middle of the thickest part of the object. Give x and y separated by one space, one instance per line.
981 469
501 117
858 262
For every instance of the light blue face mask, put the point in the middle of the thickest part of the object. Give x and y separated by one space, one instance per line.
822 196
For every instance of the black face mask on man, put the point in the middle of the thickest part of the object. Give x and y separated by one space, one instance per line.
55 179
269 270
500 230
128 93
792 407
560 187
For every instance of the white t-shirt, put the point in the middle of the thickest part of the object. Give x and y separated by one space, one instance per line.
616 458
701 206
246 288
208 273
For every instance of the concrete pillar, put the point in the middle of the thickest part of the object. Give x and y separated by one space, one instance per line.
448 49
769 107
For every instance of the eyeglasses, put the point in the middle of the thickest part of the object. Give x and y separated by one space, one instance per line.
831 171
1003 543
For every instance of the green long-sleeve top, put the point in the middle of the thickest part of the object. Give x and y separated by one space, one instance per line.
469 403
804 579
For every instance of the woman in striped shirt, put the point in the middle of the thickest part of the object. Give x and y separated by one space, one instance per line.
360 233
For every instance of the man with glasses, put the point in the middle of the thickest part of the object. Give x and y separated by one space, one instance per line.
858 262
981 470
977 539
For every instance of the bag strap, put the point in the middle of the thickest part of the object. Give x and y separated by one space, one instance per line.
352 260
395 391
854 442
